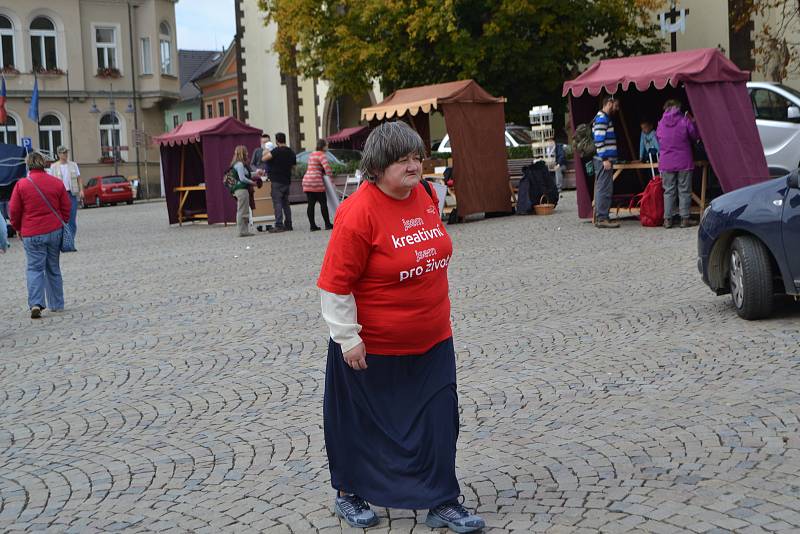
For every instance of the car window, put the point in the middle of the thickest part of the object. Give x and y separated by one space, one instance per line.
114 180
520 135
769 105
92 182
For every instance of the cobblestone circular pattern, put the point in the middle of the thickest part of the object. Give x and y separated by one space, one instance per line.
603 388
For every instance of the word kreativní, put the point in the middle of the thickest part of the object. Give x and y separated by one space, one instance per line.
416 237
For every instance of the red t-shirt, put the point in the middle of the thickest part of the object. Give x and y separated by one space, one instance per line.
392 255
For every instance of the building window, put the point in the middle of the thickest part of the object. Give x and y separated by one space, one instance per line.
147 56
188 115
165 45
109 134
235 107
6 42
209 111
106 45
8 133
175 121
221 108
43 44
49 133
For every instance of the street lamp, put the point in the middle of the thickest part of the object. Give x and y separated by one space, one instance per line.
116 126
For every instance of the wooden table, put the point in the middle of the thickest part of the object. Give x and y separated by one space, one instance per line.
638 165
183 194
699 200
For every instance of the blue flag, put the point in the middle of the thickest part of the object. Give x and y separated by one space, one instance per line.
33 110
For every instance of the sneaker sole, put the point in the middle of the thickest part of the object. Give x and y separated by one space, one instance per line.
435 522
353 524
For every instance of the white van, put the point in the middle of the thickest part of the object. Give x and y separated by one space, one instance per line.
777 110
515 136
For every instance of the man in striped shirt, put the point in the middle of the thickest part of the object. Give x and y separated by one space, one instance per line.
605 141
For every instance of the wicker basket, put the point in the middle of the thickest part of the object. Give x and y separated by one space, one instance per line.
544 207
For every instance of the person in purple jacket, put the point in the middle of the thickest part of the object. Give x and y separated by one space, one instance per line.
676 133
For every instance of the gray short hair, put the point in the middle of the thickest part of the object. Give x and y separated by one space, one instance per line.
386 144
36 161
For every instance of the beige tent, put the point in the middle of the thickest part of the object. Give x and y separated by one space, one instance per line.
476 124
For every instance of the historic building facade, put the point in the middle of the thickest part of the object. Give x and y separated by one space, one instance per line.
105 70
302 108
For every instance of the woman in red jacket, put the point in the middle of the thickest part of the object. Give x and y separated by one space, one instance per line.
36 204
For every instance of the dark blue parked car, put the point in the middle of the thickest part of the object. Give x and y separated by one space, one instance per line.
749 244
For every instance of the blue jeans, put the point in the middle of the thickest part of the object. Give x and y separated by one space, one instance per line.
45 286
3 233
73 215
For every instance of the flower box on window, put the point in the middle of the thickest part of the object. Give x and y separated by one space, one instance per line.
105 159
42 71
9 70
109 72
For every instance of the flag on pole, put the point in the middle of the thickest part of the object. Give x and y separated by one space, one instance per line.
33 110
3 113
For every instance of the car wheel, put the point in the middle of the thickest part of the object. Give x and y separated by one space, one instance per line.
750 278
129 202
96 202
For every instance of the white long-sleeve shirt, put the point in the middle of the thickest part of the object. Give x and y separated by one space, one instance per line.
341 315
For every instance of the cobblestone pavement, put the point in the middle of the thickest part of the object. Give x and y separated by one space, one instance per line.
602 386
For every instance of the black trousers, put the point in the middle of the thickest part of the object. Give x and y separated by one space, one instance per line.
313 198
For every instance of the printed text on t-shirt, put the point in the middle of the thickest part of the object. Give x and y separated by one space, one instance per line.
416 237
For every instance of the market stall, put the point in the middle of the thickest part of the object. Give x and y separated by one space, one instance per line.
349 138
476 123
705 81
194 157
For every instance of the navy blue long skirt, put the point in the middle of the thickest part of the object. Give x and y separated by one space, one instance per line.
391 429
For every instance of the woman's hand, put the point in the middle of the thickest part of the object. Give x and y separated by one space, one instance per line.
356 357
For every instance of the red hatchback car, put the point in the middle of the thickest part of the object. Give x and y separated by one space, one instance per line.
107 190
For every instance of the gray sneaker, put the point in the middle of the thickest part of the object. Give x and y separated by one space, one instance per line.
355 511
455 517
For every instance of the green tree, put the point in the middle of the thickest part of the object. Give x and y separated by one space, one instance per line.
777 44
523 50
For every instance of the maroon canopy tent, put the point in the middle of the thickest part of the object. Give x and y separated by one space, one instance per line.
715 90
351 138
199 152
476 123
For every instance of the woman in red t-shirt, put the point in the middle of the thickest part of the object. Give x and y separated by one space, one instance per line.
391 408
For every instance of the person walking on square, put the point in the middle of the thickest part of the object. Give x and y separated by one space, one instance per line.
390 404
39 208
676 133
605 141
3 235
241 190
280 160
314 187
69 173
